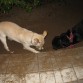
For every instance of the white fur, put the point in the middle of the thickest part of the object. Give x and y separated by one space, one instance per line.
21 35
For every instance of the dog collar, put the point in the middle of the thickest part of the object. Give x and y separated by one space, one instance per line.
70 37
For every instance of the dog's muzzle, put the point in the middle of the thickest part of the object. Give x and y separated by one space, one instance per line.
40 48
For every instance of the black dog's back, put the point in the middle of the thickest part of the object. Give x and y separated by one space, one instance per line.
79 28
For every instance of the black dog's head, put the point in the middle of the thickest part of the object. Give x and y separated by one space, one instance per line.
66 39
60 41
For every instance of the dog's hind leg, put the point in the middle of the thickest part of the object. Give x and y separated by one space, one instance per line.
3 40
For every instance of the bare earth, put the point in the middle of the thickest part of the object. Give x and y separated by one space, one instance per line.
54 18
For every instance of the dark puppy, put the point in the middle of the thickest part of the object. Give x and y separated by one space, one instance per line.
69 38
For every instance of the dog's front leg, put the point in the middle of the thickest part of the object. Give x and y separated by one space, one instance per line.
30 49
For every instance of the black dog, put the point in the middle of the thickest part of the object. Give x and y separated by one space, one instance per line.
69 38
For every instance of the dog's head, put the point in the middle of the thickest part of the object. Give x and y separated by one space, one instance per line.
67 39
38 40
61 41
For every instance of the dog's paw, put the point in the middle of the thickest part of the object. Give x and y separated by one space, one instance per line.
43 52
11 52
37 52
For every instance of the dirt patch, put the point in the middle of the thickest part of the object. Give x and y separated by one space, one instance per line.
54 18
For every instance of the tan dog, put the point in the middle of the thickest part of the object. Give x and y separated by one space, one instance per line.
26 37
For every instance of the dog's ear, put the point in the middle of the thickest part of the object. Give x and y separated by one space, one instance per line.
44 33
36 41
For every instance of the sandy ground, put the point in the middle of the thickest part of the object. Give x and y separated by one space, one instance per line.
54 18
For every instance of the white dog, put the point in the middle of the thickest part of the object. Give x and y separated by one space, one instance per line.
26 37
